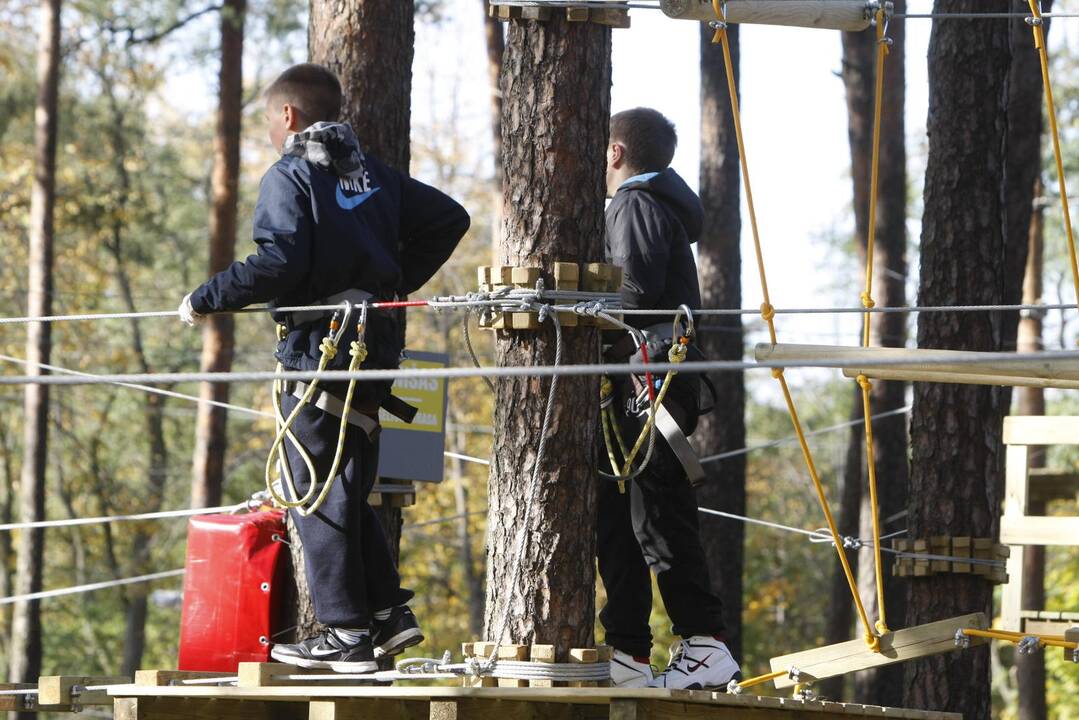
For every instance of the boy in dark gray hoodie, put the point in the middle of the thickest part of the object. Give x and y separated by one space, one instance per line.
332 223
652 220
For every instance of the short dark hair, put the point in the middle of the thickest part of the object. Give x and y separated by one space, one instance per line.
649 138
313 89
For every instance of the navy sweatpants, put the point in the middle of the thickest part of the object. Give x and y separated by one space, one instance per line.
350 570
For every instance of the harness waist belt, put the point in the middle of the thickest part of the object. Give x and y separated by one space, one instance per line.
626 346
352 295
336 407
679 444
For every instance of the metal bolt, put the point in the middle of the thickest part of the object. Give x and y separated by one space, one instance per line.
961 639
263 640
1033 21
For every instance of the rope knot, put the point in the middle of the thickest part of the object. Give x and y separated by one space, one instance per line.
768 312
864 383
328 348
677 353
358 350
882 628
867 301
873 642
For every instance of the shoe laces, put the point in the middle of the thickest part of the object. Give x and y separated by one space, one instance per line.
677 653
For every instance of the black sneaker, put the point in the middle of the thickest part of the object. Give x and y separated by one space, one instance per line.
397 632
327 650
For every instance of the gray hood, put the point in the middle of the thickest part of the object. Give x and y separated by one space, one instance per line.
329 146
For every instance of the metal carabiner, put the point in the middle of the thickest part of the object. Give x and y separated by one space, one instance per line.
688 329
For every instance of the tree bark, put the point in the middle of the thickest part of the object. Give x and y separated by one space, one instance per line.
1030 669
882 686
719 265
211 439
473 578
369 45
556 79
970 255
25 658
496 48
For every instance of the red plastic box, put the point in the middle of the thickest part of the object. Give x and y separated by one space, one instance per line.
232 589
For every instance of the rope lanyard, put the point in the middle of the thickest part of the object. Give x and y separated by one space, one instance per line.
867 301
1039 45
768 315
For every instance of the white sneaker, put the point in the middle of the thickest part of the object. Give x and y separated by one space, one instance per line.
698 663
628 672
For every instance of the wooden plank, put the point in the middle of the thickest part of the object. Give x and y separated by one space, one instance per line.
958 377
160 678
1033 530
526 277
542 653
824 14
512 652
154 708
567 276
381 708
56 690
899 646
1041 430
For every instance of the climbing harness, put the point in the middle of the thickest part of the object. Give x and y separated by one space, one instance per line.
648 403
358 350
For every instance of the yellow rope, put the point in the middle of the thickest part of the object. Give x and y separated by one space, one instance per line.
761 679
868 303
768 314
1015 637
1039 44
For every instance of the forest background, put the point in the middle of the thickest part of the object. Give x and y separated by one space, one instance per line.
137 121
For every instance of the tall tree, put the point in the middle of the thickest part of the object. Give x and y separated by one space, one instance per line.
369 45
970 254
719 264
556 79
211 439
1030 669
25 648
860 50
496 48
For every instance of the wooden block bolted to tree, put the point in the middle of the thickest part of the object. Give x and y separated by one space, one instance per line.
577 14
961 547
567 276
614 17
56 690
526 277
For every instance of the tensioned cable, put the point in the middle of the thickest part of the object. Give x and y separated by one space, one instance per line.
794 438
91 587
375 375
106 519
438 305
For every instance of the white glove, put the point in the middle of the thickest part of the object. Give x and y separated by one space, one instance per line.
188 314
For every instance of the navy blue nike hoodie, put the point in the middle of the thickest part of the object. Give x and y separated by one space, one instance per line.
330 218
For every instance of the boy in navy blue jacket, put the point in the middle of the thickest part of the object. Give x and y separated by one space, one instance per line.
332 223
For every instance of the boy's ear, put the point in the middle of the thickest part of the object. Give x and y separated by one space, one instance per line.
291 116
618 155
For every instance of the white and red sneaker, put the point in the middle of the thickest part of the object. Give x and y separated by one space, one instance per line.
698 663
628 671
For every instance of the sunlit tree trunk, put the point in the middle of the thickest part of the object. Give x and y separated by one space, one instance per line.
971 253
556 80
211 439
719 264
25 649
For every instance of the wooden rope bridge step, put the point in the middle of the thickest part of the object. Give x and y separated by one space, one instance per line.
895 647
947 366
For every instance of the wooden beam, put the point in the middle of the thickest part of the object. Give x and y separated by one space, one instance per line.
1034 530
381 708
169 708
56 690
847 15
930 365
1016 469
13 703
162 678
854 655
1041 430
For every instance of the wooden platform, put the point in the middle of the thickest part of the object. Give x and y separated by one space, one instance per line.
451 703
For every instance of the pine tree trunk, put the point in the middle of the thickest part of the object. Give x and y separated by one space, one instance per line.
496 48
25 659
719 264
211 440
556 80
369 45
970 255
884 685
1030 669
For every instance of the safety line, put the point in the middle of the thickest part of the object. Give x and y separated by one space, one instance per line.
107 519
90 587
704 312
375 375
793 438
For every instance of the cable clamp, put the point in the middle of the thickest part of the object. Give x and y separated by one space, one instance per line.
1033 21
733 688
794 674
1029 645
962 640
